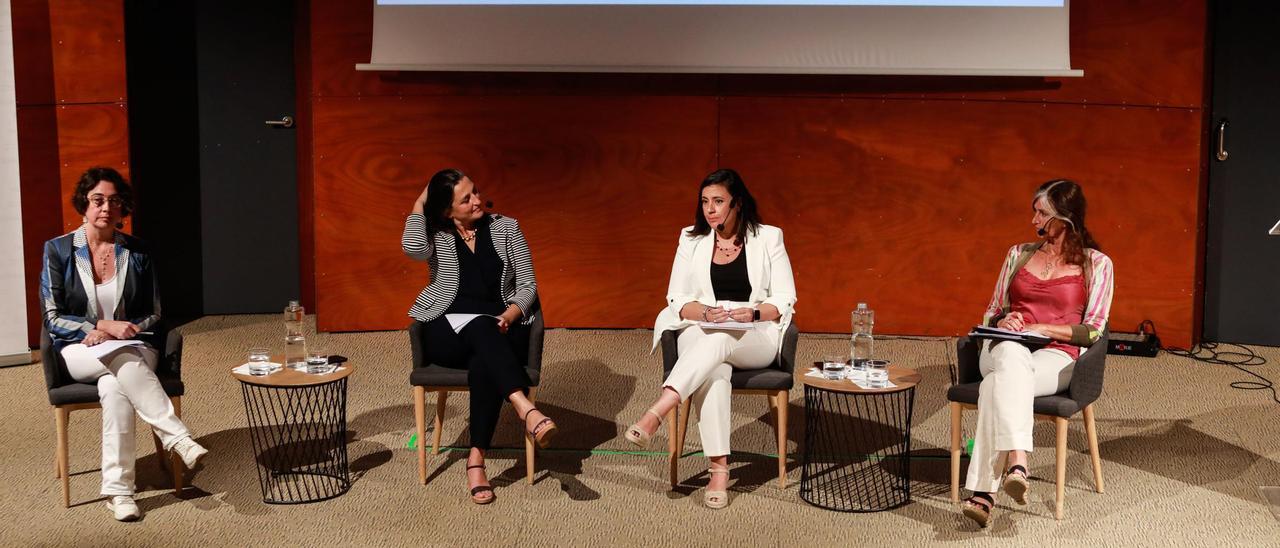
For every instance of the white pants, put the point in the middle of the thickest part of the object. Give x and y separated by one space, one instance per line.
1012 377
126 383
707 360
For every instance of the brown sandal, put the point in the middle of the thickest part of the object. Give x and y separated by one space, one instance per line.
1016 485
481 489
978 508
542 432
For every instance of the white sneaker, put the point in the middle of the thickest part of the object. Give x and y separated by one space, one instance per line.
190 451
124 508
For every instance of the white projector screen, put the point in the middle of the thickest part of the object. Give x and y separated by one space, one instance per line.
977 37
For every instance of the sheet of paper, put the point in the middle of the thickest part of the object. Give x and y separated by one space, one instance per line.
1275 230
106 347
459 321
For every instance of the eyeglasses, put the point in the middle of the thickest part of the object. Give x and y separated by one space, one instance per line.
99 200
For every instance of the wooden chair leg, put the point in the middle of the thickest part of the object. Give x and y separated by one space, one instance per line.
1091 431
530 452
673 447
957 413
57 455
783 400
441 397
420 420
684 424
61 417
176 466
1062 464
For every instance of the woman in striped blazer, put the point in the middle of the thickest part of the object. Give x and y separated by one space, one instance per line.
477 307
1061 287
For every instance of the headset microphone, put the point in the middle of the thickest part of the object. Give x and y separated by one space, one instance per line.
720 227
1040 232
488 204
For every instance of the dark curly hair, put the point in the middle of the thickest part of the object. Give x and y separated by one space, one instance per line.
91 178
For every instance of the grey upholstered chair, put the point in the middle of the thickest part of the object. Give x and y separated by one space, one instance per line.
1085 387
67 395
773 382
429 377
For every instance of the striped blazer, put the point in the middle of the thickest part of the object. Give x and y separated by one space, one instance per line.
519 287
1099 284
67 286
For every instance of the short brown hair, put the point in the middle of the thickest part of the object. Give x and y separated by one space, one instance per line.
91 178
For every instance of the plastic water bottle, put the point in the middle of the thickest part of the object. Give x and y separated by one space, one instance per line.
862 345
295 344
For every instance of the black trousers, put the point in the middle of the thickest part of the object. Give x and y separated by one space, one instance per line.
494 362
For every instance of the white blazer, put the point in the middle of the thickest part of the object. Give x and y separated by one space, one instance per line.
768 269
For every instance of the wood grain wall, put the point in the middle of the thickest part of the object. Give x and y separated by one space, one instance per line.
72 114
903 192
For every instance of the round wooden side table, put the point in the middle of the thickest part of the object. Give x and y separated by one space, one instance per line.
857 443
298 426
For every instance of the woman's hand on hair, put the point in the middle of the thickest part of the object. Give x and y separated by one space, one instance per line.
118 329
421 202
96 336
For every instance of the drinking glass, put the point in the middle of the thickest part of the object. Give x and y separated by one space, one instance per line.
259 361
833 367
877 373
318 356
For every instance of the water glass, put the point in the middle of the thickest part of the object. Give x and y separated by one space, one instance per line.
833 367
259 361
877 373
318 357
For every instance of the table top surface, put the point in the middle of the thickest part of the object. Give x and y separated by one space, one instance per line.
287 377
903 377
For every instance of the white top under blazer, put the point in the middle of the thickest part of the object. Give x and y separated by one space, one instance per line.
768 270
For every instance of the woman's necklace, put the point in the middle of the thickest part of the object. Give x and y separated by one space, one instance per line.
104 258
1050 263
466 237
731 247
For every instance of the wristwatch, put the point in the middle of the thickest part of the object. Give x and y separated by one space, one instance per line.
755 315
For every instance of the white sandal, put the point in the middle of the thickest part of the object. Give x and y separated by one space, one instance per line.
638 436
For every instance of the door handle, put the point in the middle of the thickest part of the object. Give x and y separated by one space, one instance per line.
287 121
1222 140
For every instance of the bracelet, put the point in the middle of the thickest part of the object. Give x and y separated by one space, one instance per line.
705 309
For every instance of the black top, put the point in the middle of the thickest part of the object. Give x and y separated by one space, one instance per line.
479 291
730 281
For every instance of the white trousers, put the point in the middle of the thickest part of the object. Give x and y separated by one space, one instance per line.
1012 377
127 383
707 360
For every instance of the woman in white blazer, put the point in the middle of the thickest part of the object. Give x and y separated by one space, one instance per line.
729 268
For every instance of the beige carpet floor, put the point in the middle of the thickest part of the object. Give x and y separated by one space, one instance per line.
1183 456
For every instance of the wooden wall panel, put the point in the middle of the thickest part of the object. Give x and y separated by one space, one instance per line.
68 53
88 136
876 180
88 50
600 186
910 206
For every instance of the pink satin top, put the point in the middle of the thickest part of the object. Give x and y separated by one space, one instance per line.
1056 301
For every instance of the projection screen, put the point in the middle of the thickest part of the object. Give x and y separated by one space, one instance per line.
934 37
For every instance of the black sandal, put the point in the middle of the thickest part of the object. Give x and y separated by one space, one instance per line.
978 508
542 432
481 489
1016 485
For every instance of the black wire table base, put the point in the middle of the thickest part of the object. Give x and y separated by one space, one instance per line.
299 436
857 450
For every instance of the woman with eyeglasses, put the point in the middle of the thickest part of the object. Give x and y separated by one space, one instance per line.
98 284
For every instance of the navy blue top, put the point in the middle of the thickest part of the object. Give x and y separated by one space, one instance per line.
479 290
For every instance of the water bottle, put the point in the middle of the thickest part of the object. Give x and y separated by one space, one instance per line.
861 346
295 344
